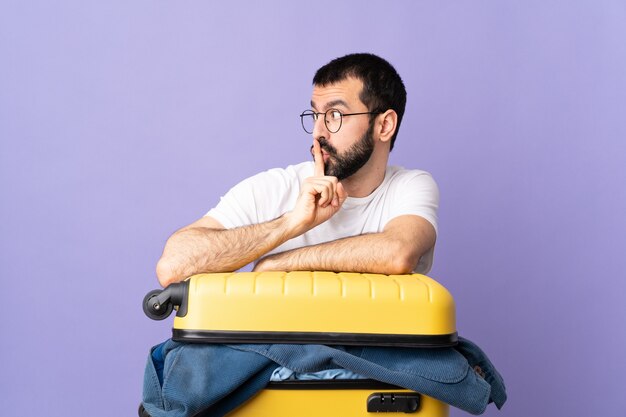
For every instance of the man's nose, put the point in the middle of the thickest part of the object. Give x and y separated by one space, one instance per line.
319 128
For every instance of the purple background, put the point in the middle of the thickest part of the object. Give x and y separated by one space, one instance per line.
121 121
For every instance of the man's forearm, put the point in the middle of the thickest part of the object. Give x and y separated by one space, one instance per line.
197 250
371 253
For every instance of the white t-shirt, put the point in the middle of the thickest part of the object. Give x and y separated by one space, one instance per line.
272 193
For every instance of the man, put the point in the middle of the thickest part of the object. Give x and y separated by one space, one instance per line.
346 211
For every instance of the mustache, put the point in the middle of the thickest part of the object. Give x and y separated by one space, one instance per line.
325 146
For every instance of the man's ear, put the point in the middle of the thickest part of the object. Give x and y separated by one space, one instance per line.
388 121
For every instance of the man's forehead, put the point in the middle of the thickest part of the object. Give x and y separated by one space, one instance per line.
344 93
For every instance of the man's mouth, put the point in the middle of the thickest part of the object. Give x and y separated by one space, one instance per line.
326 155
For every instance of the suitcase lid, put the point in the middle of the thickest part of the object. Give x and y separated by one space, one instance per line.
316 307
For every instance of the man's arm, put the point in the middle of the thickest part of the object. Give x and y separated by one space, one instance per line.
395 250
206 246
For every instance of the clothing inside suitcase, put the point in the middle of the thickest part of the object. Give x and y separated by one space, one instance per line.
315 308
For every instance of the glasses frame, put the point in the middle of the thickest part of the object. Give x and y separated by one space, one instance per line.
316 116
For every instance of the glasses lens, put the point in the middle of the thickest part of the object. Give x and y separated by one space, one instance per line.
308 120
333 120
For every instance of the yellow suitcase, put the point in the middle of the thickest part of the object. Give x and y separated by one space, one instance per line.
321 308
333 398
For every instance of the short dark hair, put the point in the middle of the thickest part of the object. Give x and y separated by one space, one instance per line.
383 88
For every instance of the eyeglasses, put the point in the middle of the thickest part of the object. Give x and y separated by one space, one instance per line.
332 119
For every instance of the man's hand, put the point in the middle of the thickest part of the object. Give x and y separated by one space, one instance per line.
265 264
205 246
320 197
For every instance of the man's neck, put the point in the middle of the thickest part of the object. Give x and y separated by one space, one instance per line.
367 179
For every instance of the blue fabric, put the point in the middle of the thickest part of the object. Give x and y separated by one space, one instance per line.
221 377
196 376
286 374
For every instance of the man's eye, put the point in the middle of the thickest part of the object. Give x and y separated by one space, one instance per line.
335 114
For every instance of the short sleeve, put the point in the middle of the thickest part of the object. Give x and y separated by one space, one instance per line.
257 199
416 192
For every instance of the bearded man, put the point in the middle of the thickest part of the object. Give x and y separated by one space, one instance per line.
346 210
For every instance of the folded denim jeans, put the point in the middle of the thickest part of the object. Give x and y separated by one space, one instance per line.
182 379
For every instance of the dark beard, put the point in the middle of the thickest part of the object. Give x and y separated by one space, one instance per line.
353 159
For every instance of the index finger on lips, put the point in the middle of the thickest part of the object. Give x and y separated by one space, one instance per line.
319 159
